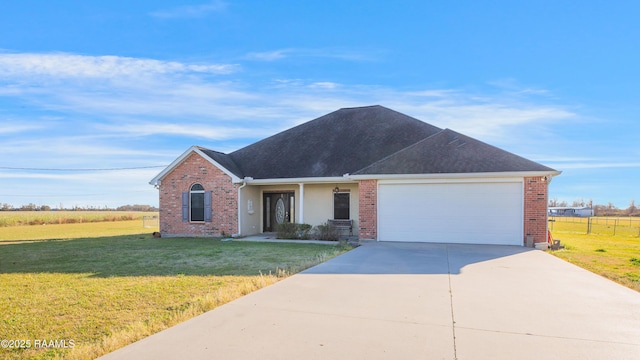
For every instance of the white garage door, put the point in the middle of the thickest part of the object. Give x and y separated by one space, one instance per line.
468 213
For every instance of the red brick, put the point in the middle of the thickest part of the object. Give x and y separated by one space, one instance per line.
535 209
368 208
193 170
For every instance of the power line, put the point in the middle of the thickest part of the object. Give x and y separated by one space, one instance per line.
72 195
84 169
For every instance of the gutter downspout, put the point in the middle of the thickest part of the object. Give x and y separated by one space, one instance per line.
244 183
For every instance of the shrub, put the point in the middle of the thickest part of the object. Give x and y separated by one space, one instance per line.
325 232
293 231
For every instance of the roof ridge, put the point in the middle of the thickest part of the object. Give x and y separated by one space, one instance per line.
207 149
403 149
361 107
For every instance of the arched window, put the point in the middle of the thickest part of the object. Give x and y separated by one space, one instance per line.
196 203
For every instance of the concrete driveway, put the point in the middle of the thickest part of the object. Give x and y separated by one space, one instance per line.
417 301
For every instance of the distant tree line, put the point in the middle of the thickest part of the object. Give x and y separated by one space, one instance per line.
600 210
34 207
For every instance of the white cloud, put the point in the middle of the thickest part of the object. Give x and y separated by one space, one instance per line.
438 93
515 88
268 55
323 53
490 120
597 165
145 88
9 127
486 117
47 176
605 163
192 130
116 111
97 151
20 66
324 85
565 159
190 11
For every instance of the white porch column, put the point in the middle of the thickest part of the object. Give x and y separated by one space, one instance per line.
301 210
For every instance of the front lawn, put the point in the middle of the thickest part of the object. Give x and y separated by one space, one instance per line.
72 231
100 294
614 257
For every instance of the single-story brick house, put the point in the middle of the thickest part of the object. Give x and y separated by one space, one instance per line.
397 178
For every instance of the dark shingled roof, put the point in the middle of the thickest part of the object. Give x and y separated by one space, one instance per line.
367 140
341 142
224 160
451 152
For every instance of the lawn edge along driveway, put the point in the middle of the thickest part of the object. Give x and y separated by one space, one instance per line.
406 301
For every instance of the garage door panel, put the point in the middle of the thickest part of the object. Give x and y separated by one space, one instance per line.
479 213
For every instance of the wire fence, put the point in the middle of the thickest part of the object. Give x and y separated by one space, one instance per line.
150 222
605 225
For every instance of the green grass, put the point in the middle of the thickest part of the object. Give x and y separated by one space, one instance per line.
606 255
107 292
602 225
72 231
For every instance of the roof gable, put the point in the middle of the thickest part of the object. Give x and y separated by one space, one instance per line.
208 155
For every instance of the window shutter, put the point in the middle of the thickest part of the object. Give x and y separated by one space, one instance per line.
185 207
207 206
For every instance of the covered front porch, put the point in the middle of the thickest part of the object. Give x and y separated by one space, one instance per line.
264 204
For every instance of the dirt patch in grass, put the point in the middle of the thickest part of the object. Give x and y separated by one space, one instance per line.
105 293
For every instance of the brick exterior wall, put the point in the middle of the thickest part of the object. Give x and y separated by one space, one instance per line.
224 196
368 207
535 209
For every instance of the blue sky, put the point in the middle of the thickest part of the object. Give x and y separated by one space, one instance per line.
97 96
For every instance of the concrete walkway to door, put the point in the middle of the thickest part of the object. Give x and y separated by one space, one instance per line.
417 301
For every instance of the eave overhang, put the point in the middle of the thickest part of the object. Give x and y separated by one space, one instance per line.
300 180
484 175
356 178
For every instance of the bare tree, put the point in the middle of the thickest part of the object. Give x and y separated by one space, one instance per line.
632 208
578 202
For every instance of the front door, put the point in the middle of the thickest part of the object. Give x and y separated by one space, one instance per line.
278 208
